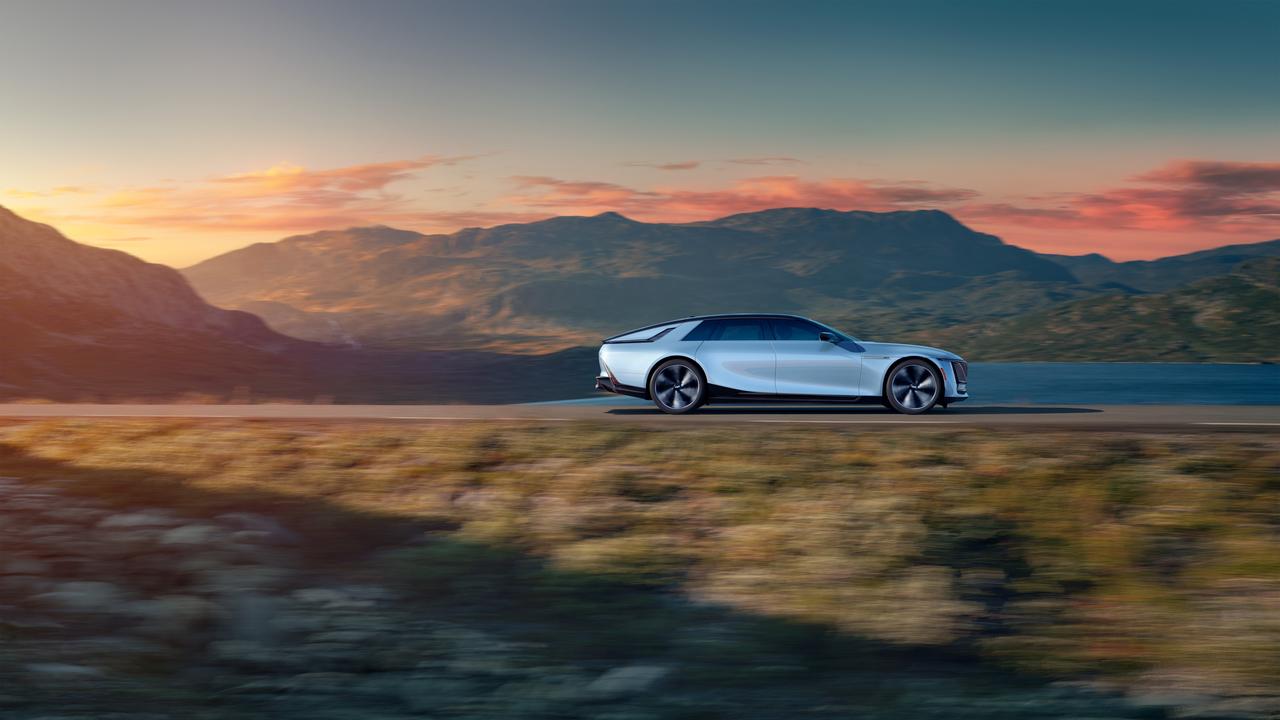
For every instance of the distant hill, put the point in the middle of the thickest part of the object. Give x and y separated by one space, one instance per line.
50 283
570 280
1226 318
85 323
77 317
869 249
1165 273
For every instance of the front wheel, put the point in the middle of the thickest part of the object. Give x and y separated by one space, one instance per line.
677 387
913 387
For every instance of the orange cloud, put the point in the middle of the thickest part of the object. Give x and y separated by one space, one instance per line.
1210 196
583 195
761 193
750 194
1239 177
51 192
286 177
670 166
766 160
447 220
286 197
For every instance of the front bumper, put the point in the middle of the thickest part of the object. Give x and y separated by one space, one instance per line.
959 380
608 384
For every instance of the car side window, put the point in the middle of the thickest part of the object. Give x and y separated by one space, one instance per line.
743 329
702 331
795 329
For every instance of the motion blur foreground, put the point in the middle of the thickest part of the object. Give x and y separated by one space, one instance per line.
248 569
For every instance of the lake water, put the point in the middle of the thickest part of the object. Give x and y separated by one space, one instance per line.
1104 384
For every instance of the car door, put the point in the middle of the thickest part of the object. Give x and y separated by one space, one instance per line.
807 365
737 354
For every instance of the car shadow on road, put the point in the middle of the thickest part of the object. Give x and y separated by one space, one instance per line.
854 410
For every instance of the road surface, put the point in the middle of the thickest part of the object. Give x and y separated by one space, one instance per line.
1187 417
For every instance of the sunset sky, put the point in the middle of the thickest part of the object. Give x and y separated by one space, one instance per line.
176 131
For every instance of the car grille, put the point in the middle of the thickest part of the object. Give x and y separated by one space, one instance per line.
962 371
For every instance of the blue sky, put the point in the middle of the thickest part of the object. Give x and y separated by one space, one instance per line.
1039 111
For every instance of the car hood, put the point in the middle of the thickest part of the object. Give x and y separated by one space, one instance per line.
892 349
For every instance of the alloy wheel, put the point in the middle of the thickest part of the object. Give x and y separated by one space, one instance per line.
914 388
677 388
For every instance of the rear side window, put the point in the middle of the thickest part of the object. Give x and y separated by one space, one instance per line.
795 329
701 331
730 329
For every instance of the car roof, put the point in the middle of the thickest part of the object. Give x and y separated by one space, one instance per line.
717 316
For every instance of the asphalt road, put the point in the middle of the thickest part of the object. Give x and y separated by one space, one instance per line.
1186 417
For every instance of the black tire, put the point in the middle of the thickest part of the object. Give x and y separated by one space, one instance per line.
678 387
913 387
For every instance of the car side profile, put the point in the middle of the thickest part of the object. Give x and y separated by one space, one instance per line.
684 364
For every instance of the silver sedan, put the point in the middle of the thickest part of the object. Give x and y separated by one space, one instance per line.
684 364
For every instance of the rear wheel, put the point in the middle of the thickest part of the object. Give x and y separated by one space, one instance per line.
913 387
678 387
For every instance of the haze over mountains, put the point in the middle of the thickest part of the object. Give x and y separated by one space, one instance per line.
569 280
79 323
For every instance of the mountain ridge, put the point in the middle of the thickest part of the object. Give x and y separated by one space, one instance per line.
44 269
566 280
1168 272
80 317
570 280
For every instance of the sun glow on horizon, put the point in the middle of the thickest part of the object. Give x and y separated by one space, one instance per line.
1177 207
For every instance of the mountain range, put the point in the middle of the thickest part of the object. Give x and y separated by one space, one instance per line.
376 314
567 281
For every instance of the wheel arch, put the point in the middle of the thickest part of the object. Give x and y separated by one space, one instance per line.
648 376
884 378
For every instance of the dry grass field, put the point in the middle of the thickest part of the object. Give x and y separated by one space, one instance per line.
715 572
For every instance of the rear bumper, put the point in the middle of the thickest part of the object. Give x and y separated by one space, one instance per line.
607 384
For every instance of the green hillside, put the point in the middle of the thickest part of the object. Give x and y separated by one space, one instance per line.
1231 318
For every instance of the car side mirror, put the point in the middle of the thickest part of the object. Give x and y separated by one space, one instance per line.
827 337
